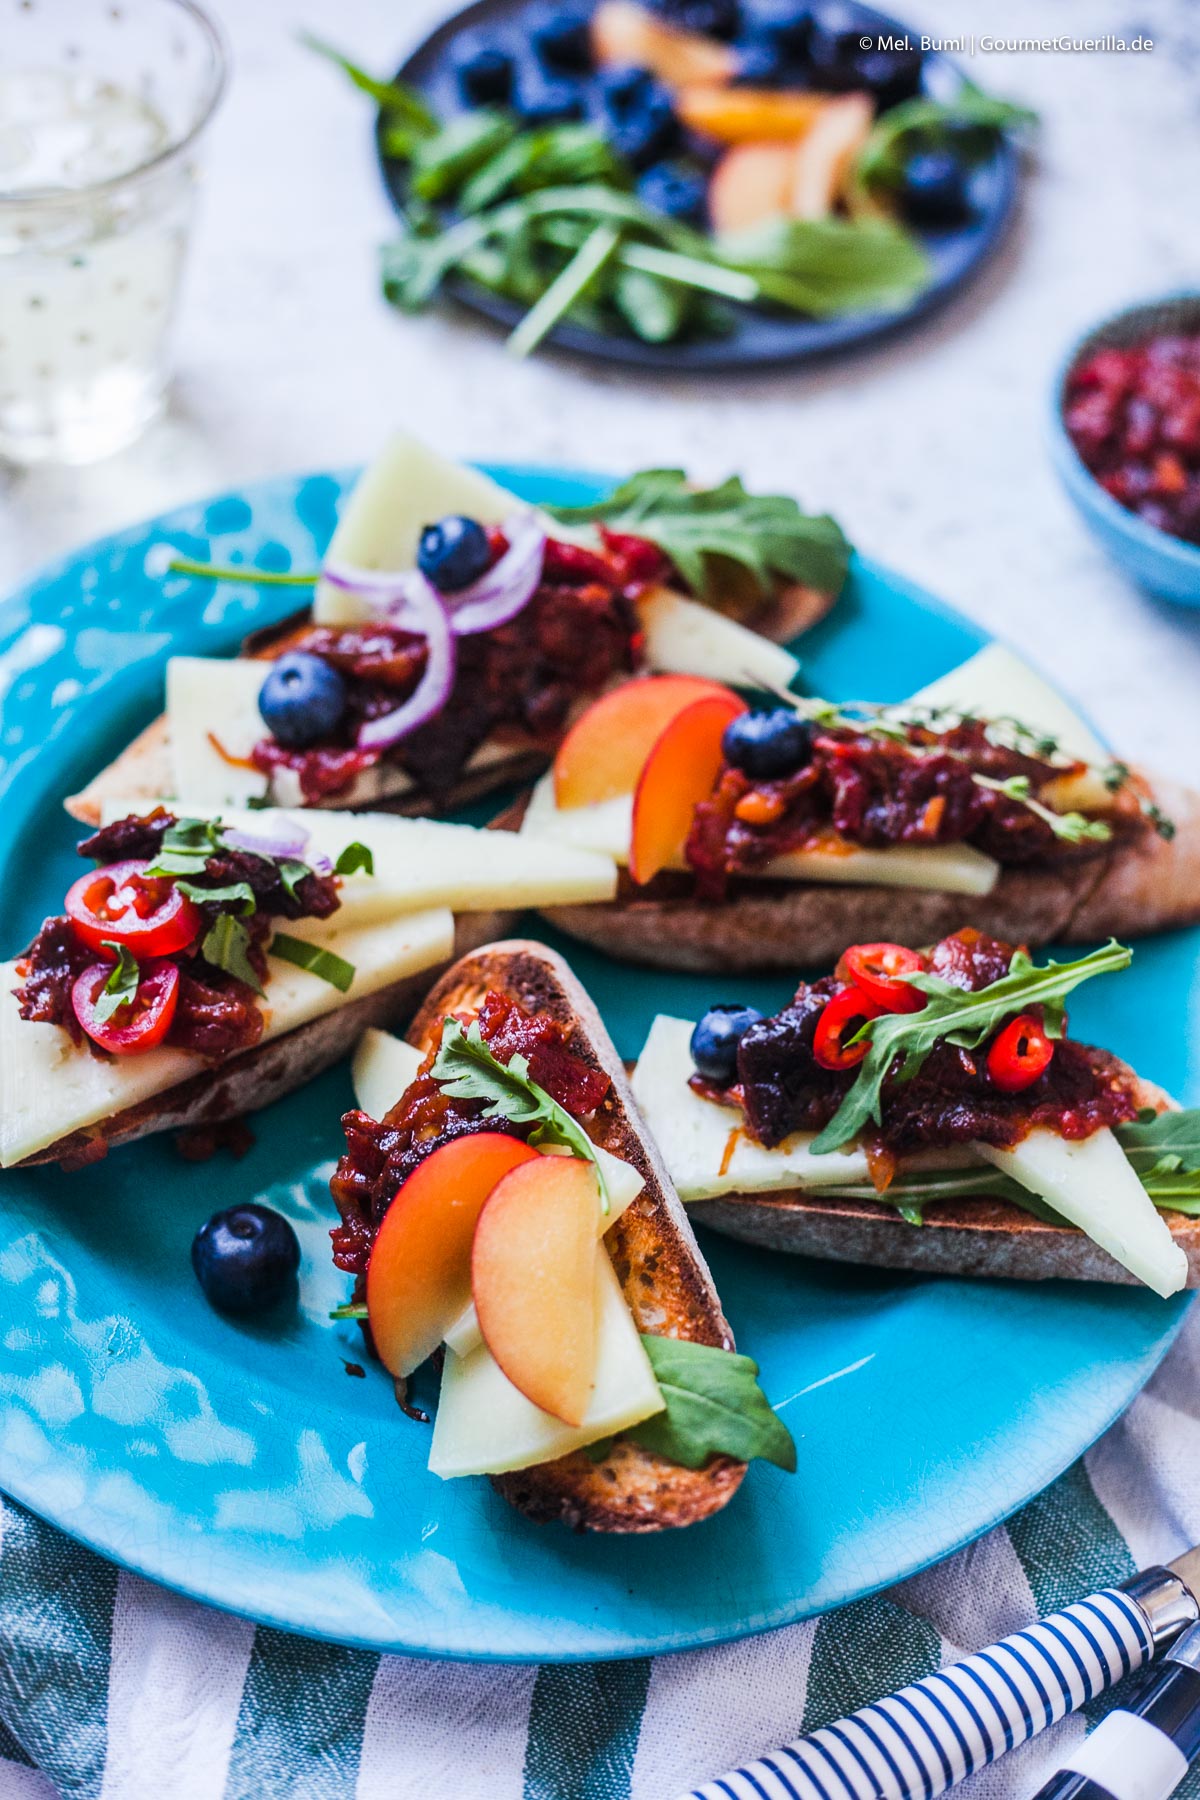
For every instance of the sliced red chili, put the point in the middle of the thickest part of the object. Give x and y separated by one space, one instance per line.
1019 1054
139 1023
121 904
880 970
837 1025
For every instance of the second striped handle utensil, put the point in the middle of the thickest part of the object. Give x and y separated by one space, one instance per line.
928 1737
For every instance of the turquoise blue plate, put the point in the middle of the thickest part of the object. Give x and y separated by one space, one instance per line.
251 1467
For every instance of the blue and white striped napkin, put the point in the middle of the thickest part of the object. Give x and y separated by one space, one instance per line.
112 1688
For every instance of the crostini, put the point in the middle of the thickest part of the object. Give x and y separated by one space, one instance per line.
208 964
929 1111
770 837
501 1203
455 631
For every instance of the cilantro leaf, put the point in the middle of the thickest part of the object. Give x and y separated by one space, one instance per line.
900 1042
316 959
714 1407
121 986
467 1070
226 946
766 535
354 857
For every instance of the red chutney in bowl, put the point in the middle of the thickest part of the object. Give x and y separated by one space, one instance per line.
1133 415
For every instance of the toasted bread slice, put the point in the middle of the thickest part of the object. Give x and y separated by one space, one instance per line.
971 1236
1145 885
663 1275
257 1077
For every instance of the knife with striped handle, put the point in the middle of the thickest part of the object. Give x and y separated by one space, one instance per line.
931 1735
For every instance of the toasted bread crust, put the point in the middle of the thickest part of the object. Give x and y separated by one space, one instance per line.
976 1236
257 1077
663 1275
1143 886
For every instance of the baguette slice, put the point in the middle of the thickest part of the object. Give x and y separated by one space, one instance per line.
663 1275
1135 888
973 1236
260 1076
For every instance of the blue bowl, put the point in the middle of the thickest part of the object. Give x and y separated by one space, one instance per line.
1165 565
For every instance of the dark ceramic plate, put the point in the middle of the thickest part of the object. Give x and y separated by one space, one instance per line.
757 337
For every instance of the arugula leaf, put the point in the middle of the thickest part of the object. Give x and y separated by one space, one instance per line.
354 857
238 894
467 1070
900 1042
317 960
828 266
543 158
226 946
1164 1149
714 1407
971 123
462 146
568 286
121 986
766 534
399 102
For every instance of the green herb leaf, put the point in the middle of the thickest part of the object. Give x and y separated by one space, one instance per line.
824 267
238 894
353 1309
1071 827
765 534
354 857
394 98
184 565
467 1070
121 986
900 1042
441 163
568 286
318 961
715 1407
970 124
291 872
1165 1152
226 946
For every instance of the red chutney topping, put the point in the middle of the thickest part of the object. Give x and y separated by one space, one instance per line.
860 789
1133 414
211 1011
381 1154
782 1087
579 629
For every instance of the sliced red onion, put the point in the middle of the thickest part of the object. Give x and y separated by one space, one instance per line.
433 689
508 585
385 591
260 844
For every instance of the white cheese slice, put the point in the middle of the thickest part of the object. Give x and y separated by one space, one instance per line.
484 1425
608 826
1090 1182
424 862
684 637
996 683
212 708
48 1088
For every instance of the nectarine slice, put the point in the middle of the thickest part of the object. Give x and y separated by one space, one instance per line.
533 1276
752 182
680 771
825 157
624 33
419 1275
741 115
602 754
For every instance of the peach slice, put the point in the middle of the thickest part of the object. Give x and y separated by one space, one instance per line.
752 182
825 157
679 772
419 1275
533 1276
739 115
602 754
625 33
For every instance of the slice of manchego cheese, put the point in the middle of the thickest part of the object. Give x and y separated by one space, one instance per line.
607 827
685 637
48 1088
423 862
485 1426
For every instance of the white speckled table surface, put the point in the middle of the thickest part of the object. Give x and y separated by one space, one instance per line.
930 449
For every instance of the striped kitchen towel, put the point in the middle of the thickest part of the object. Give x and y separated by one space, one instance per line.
111 1687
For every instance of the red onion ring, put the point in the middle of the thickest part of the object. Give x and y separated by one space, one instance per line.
263 845
433 689
497 596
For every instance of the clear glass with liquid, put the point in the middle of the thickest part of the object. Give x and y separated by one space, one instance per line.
102 105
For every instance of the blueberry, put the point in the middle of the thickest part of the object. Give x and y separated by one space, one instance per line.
454 553
712 18
781 25
714 1044
245 1259
889 76
561 38
767 745
678 192
622 88
834 42
302 699
934 190
542 102
766 65
649 131
483 70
